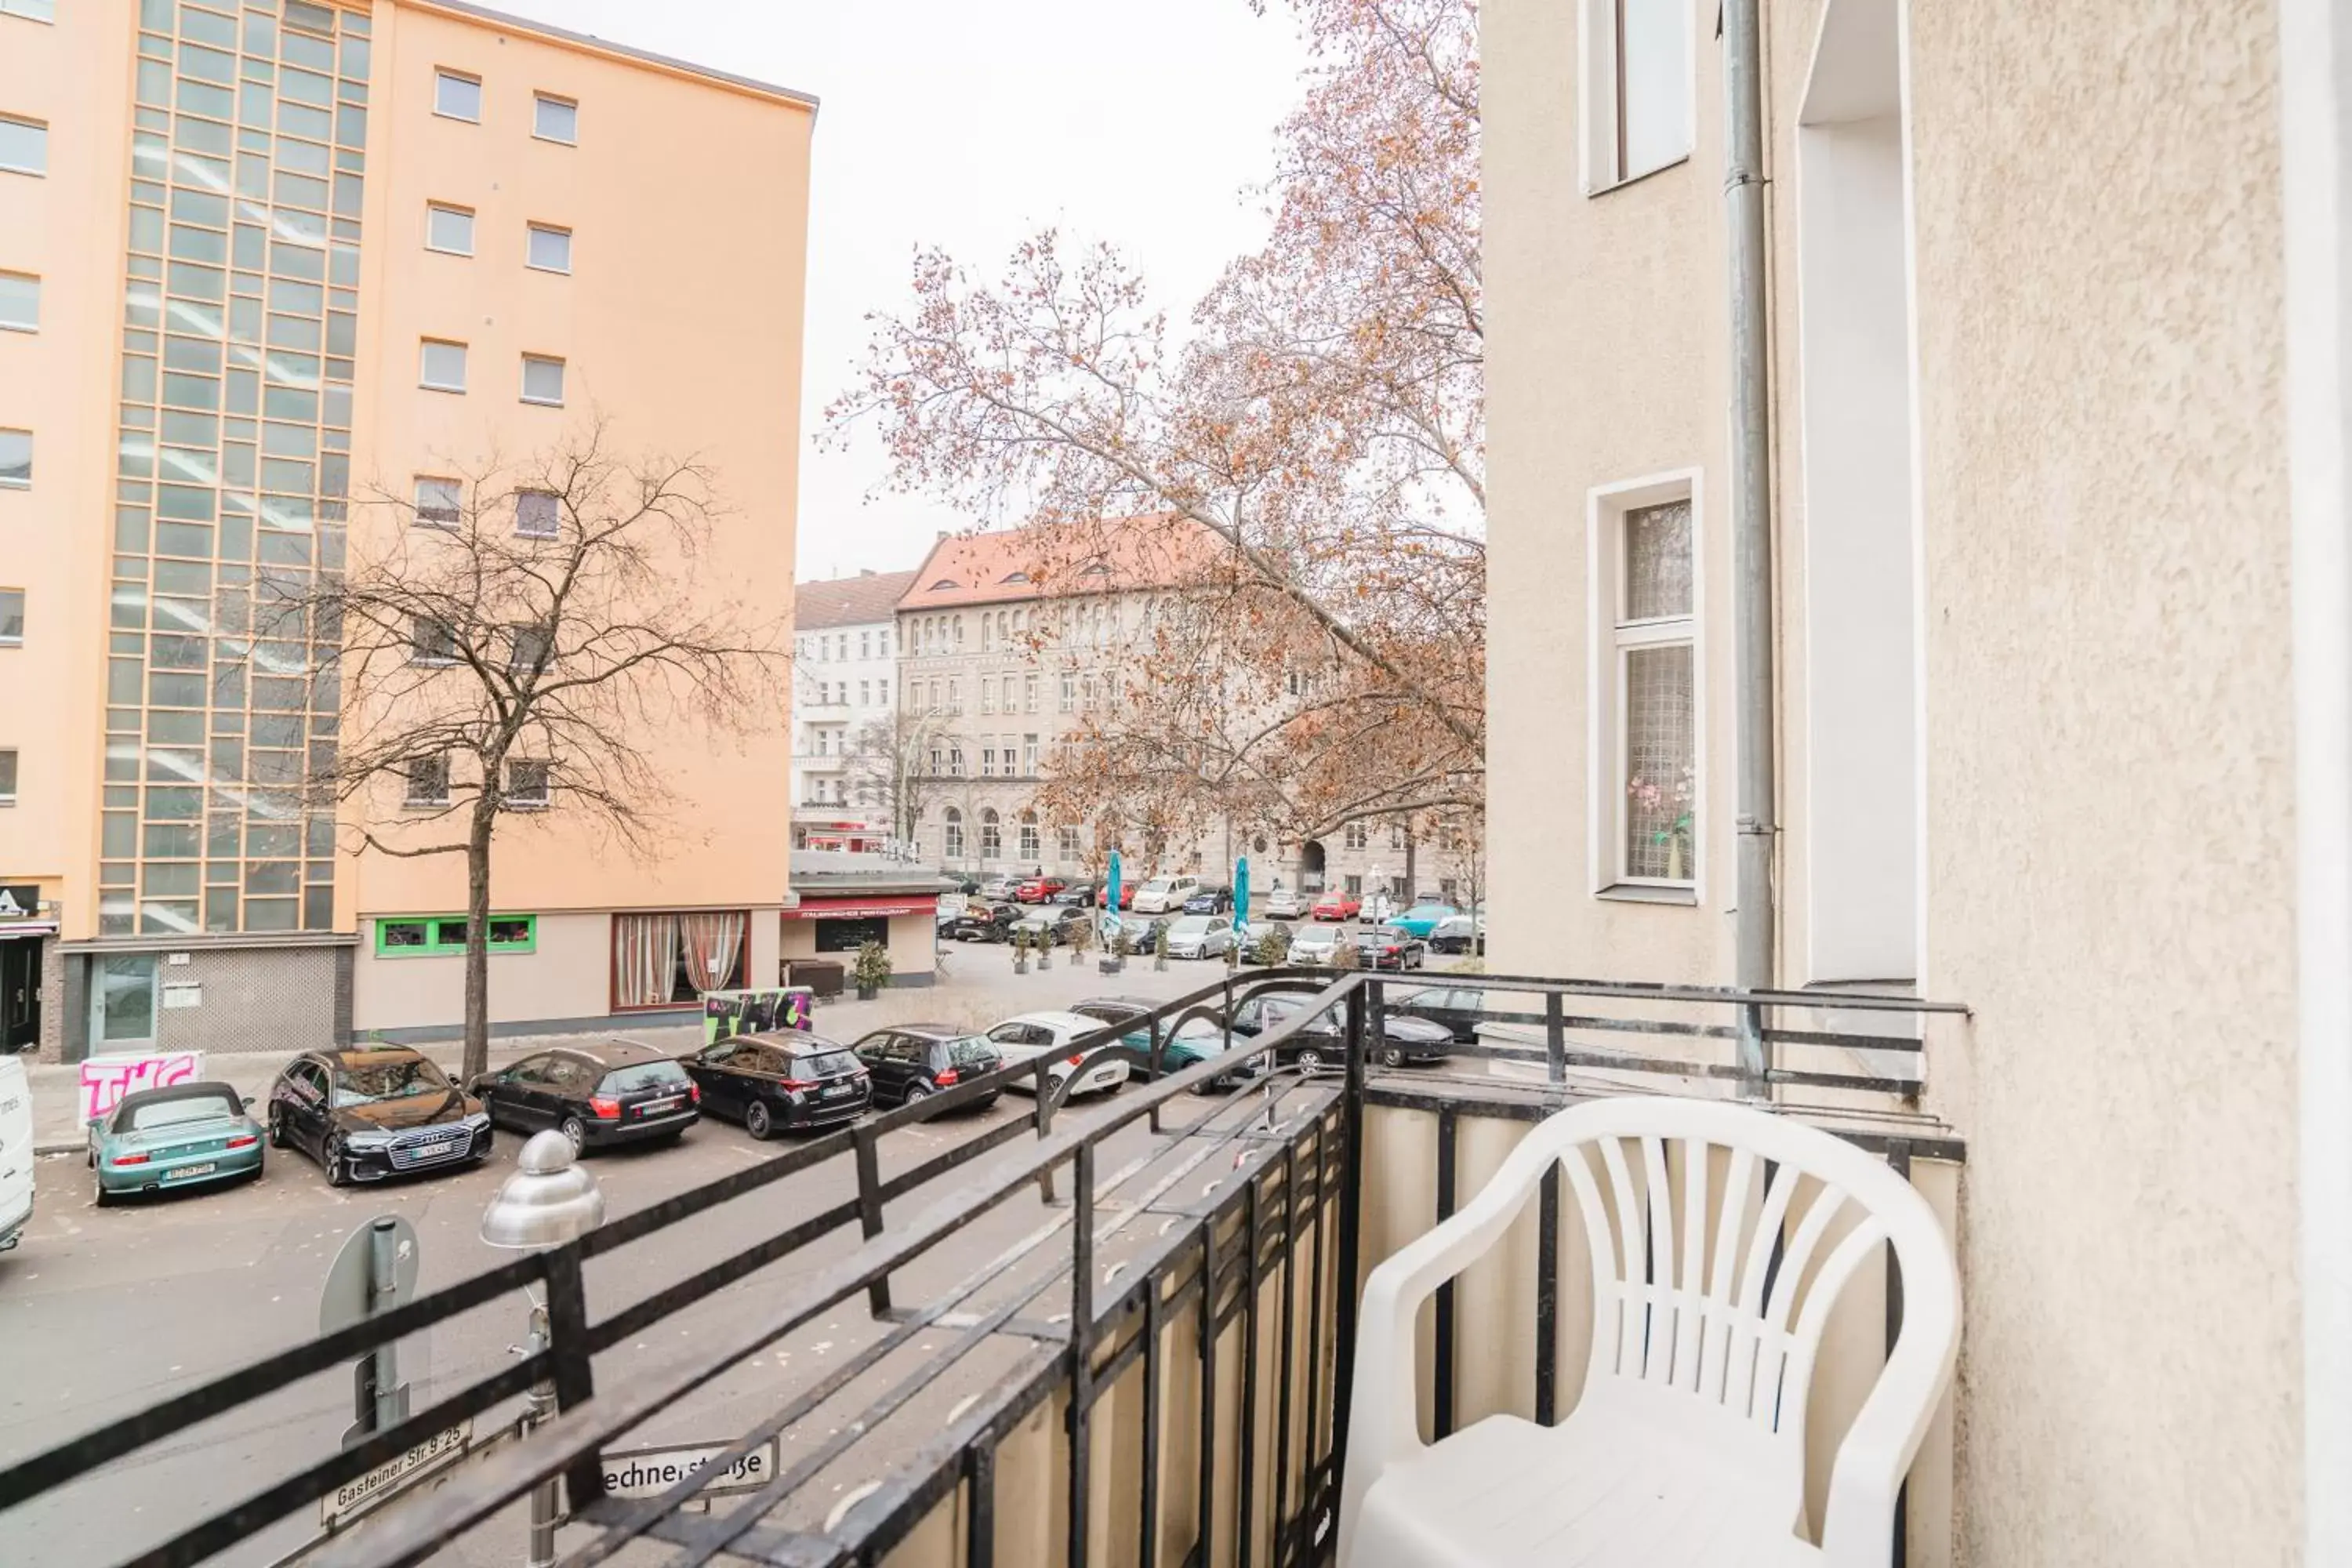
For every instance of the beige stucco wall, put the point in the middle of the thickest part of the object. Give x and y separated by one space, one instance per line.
2107 743
66 228
2109 806
914 946
680 323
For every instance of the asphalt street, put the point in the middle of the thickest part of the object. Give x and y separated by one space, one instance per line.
105 1312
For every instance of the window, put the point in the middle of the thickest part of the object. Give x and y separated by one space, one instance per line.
439 502
1069 693
1008 694
1353 835
526 785
1029 835
431 641
953 843
554 119
20 302
883 637
7 778
1637 96
24 146
1066 841
991 835
882 693
987 696
1029 755
15 459
549 248
866 694
1354 887
1396 835
538 514
428 781
441 366
543 380
1028 694
1646 730
440 936
527 649
457 97
12 618
31 10
955 695
955 759
448 228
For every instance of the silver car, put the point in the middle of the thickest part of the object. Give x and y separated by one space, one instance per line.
1283 904
1199 936
1313 945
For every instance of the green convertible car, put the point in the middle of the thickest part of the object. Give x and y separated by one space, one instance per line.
189 1135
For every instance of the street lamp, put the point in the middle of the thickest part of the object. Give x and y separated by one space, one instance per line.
550 1199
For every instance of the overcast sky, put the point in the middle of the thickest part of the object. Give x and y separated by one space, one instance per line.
969 124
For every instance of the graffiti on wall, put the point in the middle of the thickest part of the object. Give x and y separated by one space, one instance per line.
726 1014
106 1080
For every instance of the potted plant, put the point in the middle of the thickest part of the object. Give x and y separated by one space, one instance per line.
1122 946
1160 949
1046 949
1271 947
1346 956
1665 808
1020 952
871 970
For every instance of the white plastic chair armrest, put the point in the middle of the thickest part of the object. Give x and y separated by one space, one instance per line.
1383 1423
1858 1517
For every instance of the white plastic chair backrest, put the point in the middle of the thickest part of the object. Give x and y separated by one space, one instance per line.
1716 1318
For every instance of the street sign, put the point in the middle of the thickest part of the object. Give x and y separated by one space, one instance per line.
352 1291
365 1490
649 1472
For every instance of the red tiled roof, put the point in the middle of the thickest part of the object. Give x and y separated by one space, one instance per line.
1010 565
861 600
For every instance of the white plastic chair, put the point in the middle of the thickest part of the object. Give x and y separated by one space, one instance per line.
1688 1443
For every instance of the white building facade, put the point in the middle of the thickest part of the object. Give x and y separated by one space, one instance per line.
845 696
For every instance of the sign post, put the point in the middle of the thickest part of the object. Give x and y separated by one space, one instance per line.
375 1272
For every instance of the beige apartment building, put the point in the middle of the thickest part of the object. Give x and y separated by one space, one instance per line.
2054 426
261 261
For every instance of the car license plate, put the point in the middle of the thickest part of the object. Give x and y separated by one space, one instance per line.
836 1091
656 1107
435 1151
184 1172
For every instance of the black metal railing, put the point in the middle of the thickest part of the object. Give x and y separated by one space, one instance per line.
1225 1270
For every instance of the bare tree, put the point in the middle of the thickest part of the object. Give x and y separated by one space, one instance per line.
889 766
518 640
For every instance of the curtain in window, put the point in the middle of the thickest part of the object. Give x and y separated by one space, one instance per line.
713 943
644 959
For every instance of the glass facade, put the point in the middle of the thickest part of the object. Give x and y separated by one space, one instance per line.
234 466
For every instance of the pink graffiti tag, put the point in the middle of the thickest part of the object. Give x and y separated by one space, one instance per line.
104 1081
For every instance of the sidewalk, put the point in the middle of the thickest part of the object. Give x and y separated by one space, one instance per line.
979 989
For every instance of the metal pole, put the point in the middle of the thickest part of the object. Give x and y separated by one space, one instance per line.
390 1403
1751 519
541 1410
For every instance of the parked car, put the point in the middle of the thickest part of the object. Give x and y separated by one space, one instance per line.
1210 902
1145 933
1053 925
1421 918
597 1095
189 1135
983 922
1454 1008
16 1185
1127 895
1034 1035
1195 1042
1281 904
1312 947
1199 936
1164 895
1338 906
1078 895
1459 933
371 1111
1386 947
912 1061
1038 890
997 889
1323 1041
785 1081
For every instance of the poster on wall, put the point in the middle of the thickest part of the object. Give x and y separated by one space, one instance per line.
726 1014
106 1080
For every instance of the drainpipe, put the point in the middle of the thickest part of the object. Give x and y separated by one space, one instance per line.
1751 517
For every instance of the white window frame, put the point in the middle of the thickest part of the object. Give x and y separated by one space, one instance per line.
451 209
27 482
1601 66
34 324
532 231
1605 509
539 99
24 611
464 365
523 389
554 531
442 74
41 173
410 799
546 796
13 780
416 500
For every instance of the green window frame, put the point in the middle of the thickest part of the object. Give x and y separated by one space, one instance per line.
444 936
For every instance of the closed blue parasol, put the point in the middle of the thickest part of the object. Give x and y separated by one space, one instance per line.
1241 900
1110 921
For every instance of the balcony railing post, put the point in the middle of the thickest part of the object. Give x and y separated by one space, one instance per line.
573 1374
1351 1220
1754 1052
1082 1343
870 1209
1555 1039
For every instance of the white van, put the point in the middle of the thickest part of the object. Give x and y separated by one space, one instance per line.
15 1152
1162 894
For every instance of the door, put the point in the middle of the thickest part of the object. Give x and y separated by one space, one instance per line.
519 1095
714 1072
569 1082
886 1059
304 1094
20 994
760 1073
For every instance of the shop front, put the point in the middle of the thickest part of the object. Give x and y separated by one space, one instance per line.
841 905
27 930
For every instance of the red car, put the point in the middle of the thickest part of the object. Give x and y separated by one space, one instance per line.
1037 890
1338 906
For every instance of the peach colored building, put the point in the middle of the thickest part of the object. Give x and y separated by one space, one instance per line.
347 248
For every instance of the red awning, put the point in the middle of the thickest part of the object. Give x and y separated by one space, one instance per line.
855 909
